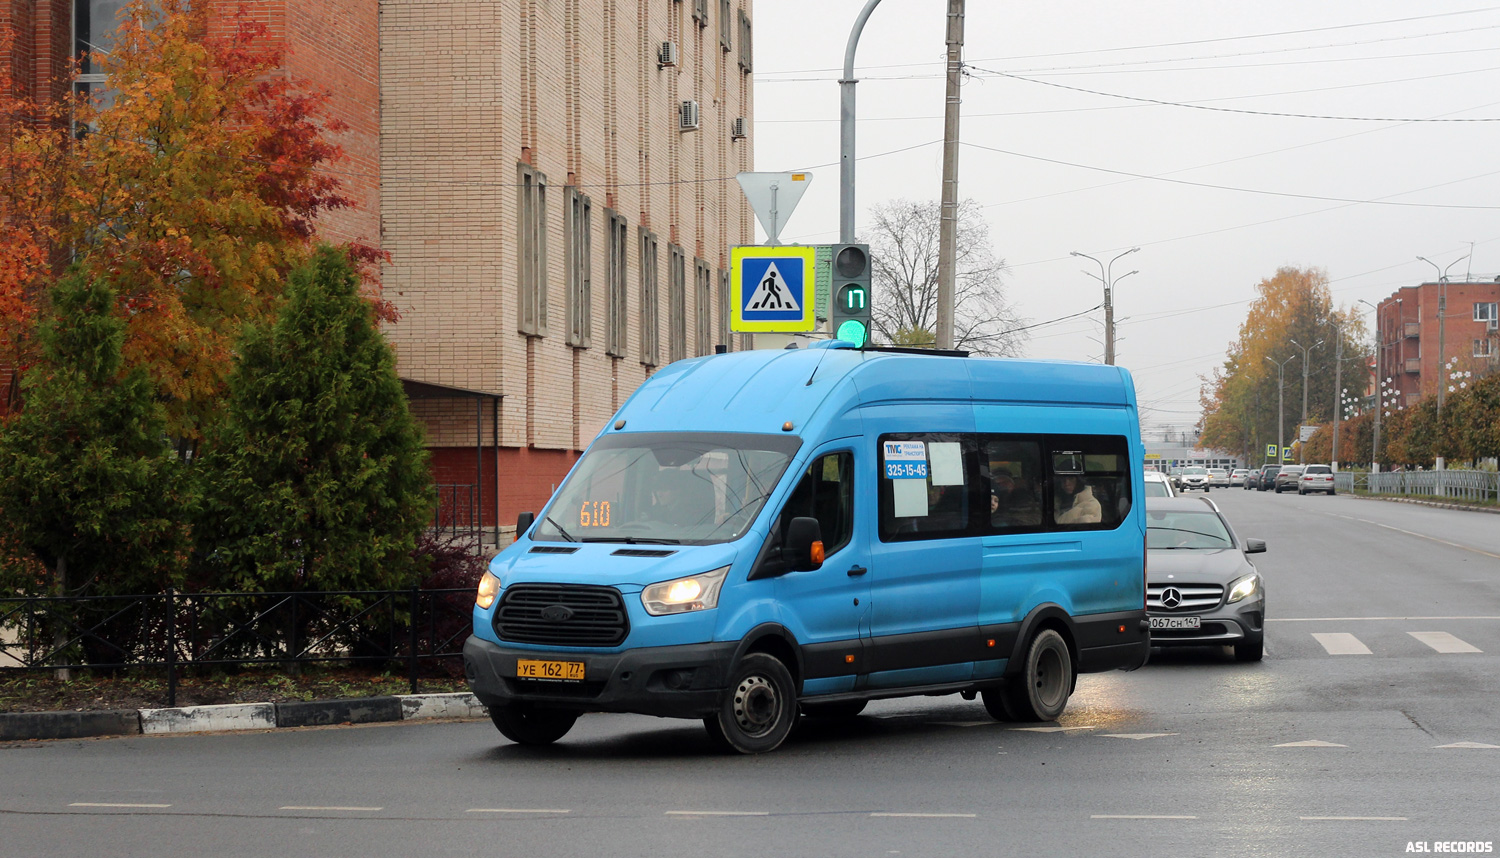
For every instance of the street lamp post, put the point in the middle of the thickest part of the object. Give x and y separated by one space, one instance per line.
1280 405
1379 387
1301 451
1338 387
1109 300
1442 323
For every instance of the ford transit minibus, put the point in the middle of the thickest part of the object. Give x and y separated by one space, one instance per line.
764 535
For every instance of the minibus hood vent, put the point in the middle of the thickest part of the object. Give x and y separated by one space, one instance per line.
552 549
643 552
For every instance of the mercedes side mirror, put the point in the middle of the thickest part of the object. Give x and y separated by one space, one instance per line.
804 545
1255 546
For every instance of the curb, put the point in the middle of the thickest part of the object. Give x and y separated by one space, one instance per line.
23 726
1434 504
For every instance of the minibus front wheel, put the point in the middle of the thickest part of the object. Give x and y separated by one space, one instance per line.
526 724
759 707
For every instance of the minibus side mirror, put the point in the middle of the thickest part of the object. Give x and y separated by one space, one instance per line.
804 545
1255 546
524 522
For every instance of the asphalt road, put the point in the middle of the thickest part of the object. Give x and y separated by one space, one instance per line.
1356 736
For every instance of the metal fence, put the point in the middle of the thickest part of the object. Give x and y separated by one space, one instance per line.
176 631
1460 485
457 511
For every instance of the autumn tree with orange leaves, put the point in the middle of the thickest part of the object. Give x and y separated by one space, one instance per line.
1239 399
192 194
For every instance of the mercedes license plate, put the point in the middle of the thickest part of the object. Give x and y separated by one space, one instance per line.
533 669
1174 623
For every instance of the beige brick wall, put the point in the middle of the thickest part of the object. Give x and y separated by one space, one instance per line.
472 88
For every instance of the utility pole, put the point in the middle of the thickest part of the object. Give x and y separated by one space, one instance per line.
1442 383
846 128
1301 452
1280 406
1109 298
1379 388
948 225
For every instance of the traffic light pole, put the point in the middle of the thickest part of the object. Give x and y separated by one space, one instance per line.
846 128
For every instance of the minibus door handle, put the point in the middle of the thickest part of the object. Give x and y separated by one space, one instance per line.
856 571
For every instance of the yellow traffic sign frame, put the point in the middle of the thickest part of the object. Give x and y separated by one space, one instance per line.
806 256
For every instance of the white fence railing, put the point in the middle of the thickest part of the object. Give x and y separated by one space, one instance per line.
1462 485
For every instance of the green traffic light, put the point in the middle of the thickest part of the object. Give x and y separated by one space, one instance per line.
853 331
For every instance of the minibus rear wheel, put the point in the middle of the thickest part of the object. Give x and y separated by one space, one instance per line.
759 707
526 724
1041 692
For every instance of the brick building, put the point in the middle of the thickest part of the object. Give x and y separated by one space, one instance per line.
1414 347
553 181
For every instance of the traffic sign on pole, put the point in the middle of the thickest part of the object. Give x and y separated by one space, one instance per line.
1270 451
771 289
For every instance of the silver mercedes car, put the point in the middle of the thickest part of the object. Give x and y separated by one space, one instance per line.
1201 588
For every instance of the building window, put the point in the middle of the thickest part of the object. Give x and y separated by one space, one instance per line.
1485 312
531 279
703 296
676 304
1484 348
650 352
700 12
745 45
724 338
94 25
616 310
726 25
580 227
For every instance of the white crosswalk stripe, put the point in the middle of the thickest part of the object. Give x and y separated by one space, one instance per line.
1341 643
1444 642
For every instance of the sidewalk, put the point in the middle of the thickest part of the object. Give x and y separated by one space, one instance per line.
24 726
1420 502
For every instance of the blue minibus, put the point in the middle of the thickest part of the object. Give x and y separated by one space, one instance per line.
764 535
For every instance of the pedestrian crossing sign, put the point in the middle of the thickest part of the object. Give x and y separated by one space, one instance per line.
771 289
1270 451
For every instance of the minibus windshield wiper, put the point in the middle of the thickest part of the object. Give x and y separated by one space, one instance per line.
560 530
632 540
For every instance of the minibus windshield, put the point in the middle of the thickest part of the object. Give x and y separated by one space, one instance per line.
689 488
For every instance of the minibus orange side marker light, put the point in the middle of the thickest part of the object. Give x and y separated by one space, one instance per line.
990 642
787 426
848 659
817 552
1122 630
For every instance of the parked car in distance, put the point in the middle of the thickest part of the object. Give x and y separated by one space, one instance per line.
1286 478
1267 477
1218 477
1201 588
1237 476
1159 485
1193 478
1316 478
1176 477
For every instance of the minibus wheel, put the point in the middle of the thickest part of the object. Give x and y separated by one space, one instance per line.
526 724
759 707
1040 692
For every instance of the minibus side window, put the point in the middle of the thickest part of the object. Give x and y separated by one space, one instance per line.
1090 481
1012 467
927 486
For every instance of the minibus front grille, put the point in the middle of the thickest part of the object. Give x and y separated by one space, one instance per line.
594 616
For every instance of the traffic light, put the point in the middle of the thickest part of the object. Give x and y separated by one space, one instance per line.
851 293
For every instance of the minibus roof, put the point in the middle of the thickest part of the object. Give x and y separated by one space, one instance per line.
765 389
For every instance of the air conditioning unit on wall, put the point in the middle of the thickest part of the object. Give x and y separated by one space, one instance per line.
666 56
687 116
737 128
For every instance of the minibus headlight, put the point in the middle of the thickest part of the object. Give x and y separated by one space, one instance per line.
694 593
1244 588
489 588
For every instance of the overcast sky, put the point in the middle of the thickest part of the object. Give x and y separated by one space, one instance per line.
1283 185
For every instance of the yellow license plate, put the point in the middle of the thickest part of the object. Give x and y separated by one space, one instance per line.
530 669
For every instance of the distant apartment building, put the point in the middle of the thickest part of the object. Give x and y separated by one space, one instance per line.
1414 346
554 181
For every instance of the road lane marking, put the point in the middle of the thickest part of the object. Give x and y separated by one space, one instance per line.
1341 643
329 807
1137 736
966 723
1050 729
514 810
1444 642
114 804
1470 745
1136 816
1353 818
1418 535
1310 743
928 815
718 813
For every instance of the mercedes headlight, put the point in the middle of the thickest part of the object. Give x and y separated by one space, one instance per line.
693 593
1244 588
